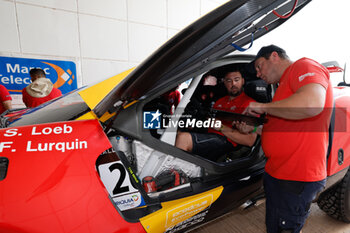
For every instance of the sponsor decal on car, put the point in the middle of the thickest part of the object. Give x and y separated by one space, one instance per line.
129 201
178 214
181 213
188 222
117 181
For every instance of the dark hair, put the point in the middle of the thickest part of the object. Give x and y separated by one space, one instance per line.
234 68
37 71
267 50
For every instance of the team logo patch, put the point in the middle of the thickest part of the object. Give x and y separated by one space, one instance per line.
302 77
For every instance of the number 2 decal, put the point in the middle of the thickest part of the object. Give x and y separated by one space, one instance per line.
118 187
116 179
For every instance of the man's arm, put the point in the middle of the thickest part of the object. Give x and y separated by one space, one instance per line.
7 104
307 101
247 129
239 138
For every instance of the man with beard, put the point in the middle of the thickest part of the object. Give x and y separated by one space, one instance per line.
220 141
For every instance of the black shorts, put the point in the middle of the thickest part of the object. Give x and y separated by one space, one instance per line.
288 203
210 145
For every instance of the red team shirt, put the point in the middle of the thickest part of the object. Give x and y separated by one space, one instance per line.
4 96
237 105
296 149
32 102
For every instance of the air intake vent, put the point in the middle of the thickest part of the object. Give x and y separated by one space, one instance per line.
4 163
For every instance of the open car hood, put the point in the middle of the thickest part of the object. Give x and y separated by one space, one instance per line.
236 22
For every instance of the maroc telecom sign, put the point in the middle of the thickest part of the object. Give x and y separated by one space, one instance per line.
14 73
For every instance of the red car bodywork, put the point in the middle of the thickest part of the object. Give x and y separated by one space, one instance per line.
341 140
47 205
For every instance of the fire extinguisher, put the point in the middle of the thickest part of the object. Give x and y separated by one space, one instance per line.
165 180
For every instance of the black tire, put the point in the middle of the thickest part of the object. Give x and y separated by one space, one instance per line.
336 200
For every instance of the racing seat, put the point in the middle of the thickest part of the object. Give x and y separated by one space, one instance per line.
258 89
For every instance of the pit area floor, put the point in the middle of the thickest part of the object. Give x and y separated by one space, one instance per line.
252 220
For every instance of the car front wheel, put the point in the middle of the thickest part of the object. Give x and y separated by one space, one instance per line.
336 200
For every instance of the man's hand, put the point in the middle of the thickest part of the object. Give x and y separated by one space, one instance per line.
7 104
255 109
242 127
219 128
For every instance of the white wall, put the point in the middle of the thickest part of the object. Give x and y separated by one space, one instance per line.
103 37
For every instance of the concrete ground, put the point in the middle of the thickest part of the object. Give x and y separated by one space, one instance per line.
252 221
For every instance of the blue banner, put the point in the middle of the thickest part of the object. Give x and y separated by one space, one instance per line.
14 73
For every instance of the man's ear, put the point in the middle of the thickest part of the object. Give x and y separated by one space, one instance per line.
274 55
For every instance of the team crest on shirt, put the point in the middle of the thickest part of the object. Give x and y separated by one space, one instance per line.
233 108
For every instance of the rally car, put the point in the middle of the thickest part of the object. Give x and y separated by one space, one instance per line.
102 158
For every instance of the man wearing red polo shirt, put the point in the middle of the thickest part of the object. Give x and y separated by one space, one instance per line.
218 142
5 98
295 138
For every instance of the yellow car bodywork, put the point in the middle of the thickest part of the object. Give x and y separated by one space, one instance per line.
94 94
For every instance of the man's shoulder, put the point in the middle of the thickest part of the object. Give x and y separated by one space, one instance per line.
247 98
302 62
222 99
3 88
306 67
25 92
55 91
4 92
